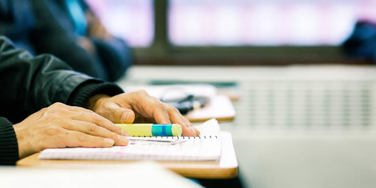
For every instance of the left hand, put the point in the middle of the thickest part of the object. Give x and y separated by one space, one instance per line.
139 106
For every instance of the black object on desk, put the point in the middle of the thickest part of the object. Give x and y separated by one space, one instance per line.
187 103
217 84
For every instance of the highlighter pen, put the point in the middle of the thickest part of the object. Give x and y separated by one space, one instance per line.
151 129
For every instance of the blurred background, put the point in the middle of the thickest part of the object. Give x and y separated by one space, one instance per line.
242 32
305 113
300 74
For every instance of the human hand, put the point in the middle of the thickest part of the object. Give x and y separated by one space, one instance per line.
86 44
96 27
139 106
59 126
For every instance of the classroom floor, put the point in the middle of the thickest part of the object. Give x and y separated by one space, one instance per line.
298 126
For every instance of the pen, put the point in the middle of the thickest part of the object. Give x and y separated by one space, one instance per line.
150 129
172 141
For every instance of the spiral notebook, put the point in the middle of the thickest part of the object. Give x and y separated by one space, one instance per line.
204 148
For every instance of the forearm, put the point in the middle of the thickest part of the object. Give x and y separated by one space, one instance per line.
33 82
87 92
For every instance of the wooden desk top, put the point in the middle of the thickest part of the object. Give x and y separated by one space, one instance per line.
226 167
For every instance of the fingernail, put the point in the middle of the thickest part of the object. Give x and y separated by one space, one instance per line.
195 131
109 141
124 118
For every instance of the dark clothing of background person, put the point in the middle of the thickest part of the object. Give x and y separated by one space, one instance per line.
362 41
17 22
32 83
46 26
57 25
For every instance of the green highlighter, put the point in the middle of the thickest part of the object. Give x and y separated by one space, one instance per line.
149 129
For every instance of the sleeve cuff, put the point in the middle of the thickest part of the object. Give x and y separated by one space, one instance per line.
83 92
8 143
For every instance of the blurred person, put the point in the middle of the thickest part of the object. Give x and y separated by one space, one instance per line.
17 22
68 29
45 104
362 41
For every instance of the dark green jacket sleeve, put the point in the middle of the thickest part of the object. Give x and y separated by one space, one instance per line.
30 83
8 143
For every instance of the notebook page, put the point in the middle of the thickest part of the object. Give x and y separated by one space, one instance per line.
184 149
209 127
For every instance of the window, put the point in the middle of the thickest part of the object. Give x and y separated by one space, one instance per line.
263 23
234 31
128 19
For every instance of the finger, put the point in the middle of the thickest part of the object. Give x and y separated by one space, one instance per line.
143 104
186 128
176 117
82 114
161 115
118 114
189 125
94 130
79 139
89 116
197 131
187 122
193 128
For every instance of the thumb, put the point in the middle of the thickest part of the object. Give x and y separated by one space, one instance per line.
127 116
118 114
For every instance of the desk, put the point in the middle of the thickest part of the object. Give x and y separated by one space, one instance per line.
313 148
226 167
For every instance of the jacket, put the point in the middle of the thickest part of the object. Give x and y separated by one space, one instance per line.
46 26
53 22
30 83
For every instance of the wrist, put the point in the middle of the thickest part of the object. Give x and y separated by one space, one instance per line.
24 147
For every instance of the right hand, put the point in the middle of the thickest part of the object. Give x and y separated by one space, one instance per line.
59 126
139 105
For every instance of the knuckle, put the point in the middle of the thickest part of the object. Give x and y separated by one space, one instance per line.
56 108
62 139
80 114
60 142
77 108
92 129
142 92
163 106
43 110
114 136
99 120
53 138
81 138
117 129
170 108
58 105
52 131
